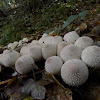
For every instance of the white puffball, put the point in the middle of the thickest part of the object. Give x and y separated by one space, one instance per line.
24 64
84 42
60 46
74 72
25 50
91 56
48 50
25 40
9 59
70 52
71 37
42 39
36 52
53 64
53 40
10 45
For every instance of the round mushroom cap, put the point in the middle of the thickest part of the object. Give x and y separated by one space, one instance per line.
36 52
60 46
53 40
16 43
9 59
71 37
35 42
74 72
10 45
25 50
70 52
6 51
53 64
84 42
91 56
42 39
48 50
24 64
25 40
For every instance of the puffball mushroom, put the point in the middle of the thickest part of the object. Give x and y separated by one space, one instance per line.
60 46
71 37
48 50
35 42
91 56
53 64
36 52
10 45
25 40
42 39
25 50
24 64
10 58
70 52
53 40
74 72
84 42
6 51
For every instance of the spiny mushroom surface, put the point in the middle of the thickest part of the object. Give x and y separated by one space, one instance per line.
91 56
24 64
53 64
74 72
36 52
84 42
60 46
53 40
70 52
48 50
71 37
10 58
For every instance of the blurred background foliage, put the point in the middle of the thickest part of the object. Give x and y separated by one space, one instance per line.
21 17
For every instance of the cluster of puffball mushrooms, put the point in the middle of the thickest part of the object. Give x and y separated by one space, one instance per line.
68 56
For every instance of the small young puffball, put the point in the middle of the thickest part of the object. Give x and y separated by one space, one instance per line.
70 52
24 64
74 72
48 50
71 37
9 59
6 51
25 40
84 42
35 42
25 50
60 46
91 56
53 40
10 45
36 52
42 39
53 64
16 43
